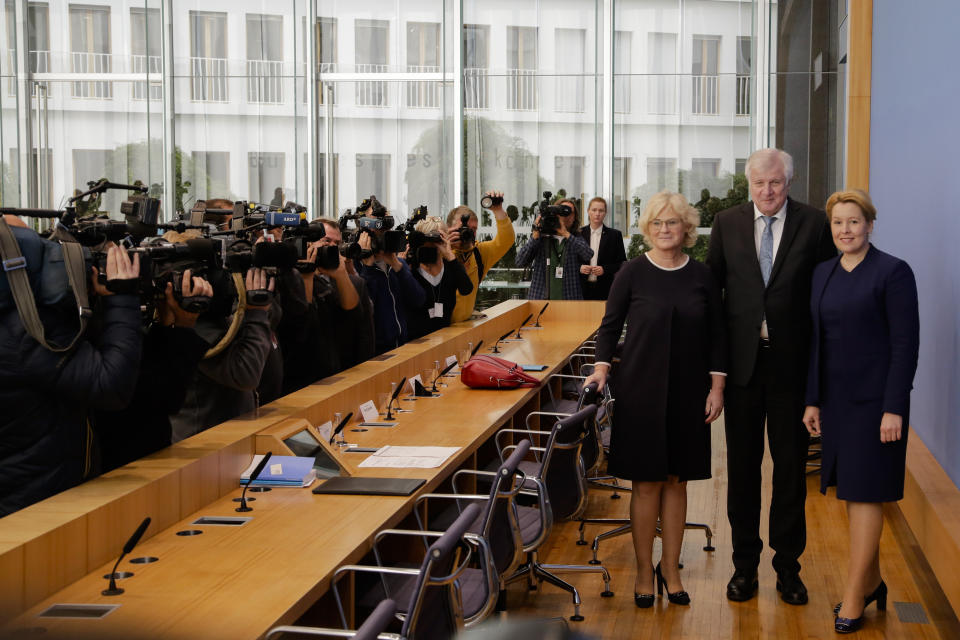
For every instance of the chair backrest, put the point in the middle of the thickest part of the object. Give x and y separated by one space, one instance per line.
592 449
435 611
377 622
562 470
500 527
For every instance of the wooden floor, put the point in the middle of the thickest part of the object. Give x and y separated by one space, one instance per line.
705 575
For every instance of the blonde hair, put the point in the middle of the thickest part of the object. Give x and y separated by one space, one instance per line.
679 206
856 196
433 224
456 212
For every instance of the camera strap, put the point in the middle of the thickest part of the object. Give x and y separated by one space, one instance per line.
15 267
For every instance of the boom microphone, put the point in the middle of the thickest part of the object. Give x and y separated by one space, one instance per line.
243 508
113 589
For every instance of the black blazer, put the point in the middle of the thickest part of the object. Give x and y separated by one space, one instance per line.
732 256
881 340
611 257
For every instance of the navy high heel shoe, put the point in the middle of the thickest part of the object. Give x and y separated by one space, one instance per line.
879 596
847 625
680 597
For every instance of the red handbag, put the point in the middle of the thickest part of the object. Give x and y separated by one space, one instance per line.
488 372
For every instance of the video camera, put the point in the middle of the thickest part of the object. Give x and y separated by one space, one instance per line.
371 218
550 215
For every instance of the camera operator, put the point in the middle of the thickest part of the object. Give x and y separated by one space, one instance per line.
171 352
556 259
327 334
478 257
224 385
46 396
393 290
440 274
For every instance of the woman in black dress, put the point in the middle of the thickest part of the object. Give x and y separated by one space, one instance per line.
669 383
862 360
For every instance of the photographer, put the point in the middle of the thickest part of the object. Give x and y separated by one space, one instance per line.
46 396
171 352
556 254
393 290
440 274
477 257
326 334
224 385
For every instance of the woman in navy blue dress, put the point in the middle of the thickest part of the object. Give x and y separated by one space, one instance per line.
862 361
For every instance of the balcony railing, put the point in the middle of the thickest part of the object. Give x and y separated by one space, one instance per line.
209 79
85 62
323 68
423 94
476 86
522 90
265 81
570 96
705 95
373 93
743 95
144 65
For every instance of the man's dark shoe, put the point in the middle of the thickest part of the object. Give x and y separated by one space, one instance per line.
791 588
742 586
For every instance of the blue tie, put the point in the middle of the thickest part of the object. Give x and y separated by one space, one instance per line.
766 249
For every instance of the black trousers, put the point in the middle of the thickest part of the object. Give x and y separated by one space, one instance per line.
766 399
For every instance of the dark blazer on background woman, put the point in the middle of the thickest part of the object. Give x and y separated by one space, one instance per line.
863 357
611 257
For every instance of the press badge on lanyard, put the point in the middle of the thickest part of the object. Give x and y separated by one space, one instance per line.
436 311
558 273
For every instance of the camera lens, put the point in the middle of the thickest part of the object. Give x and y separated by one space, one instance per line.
488 202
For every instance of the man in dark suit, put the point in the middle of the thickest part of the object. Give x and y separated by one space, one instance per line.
608 253
762 254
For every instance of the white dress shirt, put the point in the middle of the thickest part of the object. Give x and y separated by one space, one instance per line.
758 226
595 245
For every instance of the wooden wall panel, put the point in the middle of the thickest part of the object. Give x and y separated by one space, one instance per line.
860 56
54 560
11 580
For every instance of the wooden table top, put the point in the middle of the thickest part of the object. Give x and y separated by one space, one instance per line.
238 582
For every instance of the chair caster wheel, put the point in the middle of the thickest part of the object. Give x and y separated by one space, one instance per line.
606 594
581 543
576 618
615 496
594 562
709 547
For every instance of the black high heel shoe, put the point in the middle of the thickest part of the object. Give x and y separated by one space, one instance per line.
879 595
847 625
680 597
643 600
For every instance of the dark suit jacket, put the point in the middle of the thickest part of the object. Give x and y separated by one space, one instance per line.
611 258
882 338
732 256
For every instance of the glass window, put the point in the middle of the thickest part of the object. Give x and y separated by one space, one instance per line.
569 47
90 49
743 75
662 174
568 175
208 56
621 206
476 38
662 70
322 182
211 175
146 52
423 56
38 36
521 68
372 56
327 52
704 74
264 58
622 65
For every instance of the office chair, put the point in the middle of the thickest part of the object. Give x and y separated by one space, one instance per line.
559 487
373 628
497 525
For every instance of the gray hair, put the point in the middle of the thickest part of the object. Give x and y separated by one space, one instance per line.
766 158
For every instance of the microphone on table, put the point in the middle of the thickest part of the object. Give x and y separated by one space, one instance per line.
441 374
496 344
339 428
519 337
396 392
537 323
243 508
476 348
113 589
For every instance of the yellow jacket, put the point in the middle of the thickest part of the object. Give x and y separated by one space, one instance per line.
490 252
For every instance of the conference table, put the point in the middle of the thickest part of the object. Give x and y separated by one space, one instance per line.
240 581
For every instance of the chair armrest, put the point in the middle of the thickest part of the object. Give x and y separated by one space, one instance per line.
324 632
501 448
474 472
466 497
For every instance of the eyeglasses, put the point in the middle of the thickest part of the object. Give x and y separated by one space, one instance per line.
672 223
